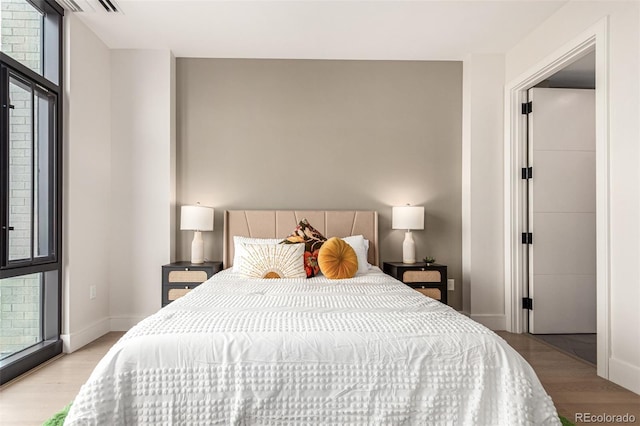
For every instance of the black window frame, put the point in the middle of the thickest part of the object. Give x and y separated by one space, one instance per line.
51 81
34 264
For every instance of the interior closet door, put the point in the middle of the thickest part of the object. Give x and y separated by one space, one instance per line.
562 205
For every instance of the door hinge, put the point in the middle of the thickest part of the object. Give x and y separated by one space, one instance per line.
527 303
527 238
527 172
527 108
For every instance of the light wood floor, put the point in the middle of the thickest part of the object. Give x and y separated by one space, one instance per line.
572 383
36 396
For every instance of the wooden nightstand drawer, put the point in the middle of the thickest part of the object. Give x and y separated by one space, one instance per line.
430 280
176 293
183 276
421 277
180 278
433 293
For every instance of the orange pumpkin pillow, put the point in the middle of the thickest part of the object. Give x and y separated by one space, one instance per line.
337 259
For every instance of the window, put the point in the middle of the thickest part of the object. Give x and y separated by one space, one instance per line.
21 313
32 112
30 187
22 27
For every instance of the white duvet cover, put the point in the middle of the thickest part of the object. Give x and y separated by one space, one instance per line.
367 350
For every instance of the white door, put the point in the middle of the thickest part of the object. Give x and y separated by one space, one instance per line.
562 206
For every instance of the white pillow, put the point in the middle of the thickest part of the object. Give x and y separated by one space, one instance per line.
361 247
239 248
366 249
273 261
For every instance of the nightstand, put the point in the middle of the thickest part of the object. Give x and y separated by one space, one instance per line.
179 278
430 280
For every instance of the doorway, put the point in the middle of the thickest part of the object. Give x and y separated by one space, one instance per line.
515 215
561 209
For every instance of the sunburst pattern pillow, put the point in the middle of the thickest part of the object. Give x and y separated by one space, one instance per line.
240 242
273 261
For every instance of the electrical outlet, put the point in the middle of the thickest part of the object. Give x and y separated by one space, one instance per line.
92 292
451 284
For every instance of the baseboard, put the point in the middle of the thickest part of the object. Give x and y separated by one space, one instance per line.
492 322
73 341
625 374
124 323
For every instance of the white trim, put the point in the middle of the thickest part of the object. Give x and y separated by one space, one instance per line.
595 37
514 157
624 374
74 341
491 321
603 202
466 185
124 323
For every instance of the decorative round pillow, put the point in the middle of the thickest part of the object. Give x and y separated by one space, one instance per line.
337 259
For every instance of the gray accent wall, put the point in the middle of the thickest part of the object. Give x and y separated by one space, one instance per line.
319 134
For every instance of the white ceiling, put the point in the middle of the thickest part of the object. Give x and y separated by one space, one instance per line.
399 30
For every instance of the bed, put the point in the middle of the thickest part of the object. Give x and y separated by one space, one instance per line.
364 350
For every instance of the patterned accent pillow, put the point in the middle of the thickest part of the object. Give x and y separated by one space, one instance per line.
273 261
239 250
313 240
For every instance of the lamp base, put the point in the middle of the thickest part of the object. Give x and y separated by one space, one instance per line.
197 248
408 248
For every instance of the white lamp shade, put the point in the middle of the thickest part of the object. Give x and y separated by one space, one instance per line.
407 217
196 218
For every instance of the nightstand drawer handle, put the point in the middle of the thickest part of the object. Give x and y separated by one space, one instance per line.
187 276
421 277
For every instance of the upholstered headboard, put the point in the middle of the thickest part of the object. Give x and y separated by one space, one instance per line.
280 223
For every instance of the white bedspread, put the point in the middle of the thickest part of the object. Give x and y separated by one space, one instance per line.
368 350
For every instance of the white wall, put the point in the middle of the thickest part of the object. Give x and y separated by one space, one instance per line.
624 155
142 167
119 177
87 185
482 190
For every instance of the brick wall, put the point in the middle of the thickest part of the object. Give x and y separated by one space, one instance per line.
20 38
19 313
21 33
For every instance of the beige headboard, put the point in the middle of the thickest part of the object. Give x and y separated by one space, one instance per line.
280 223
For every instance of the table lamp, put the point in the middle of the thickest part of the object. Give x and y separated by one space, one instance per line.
196 218
408 217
